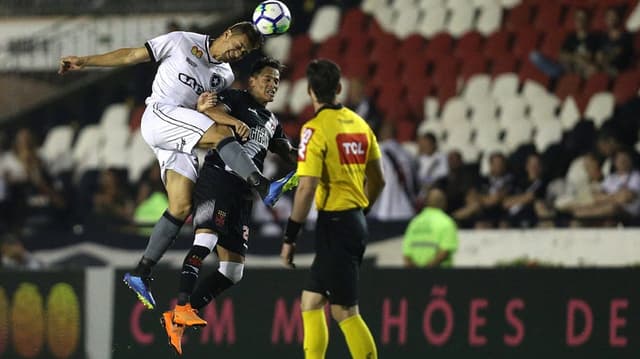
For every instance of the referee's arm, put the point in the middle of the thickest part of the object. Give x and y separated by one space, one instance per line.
303 198
375 180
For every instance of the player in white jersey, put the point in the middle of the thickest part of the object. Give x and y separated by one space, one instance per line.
192 67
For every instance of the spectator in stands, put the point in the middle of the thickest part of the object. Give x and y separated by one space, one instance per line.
615 50
151 200
34 197
432 164
13 255
431 238
581 182
397 200
618 198
111 202
358 101
526 204
577 54
457 183
607 145
483 205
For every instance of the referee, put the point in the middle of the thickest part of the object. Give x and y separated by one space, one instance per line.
338 163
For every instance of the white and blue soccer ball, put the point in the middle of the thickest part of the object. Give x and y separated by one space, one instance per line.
272 17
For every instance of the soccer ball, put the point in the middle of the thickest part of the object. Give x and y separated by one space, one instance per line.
272 17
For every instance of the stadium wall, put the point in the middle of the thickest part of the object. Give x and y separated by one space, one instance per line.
461 313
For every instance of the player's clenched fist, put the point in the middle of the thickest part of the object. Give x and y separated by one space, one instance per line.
71 63
207 100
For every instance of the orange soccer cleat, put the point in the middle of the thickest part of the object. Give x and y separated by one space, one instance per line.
187 316
174 331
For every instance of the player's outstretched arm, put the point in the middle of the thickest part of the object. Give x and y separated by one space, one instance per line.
120 57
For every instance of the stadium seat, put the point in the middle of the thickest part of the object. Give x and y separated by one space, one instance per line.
405 130
400 5
497 44
533 89
482 4
517 132
406 23
140 157
477 86
633 21
568 84
445 69
525 40
483 109
626 86
56 149
547 133
278 47
461 19
487 135
458 134
548 16
596 83
301 49
113 152
509 4
428 4
473 65
469 44
512 109
542 108
552 43
431 107
299 98
368 6
325 23
353 21
600 108
489 19
85 150
431 126
446 89
454 111
411 46
279 103
331 48
385 18
569 113
503 65
529 72
504 86
518 17
470 153
384 47
441 44
433 21
114 116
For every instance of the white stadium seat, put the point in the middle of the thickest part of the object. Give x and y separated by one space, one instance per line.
404 5
386 18
487 135
140 157
504 86
454 111
85 151
369 6
431 107
532 89
547 133
483 109
543 108
569 113
406 23
299 98
461 20
482 4
114 116
510 3
458 134
433 21
512 109
325 23
431 125
113 152
633 21
428 4
490 19
56 149
278 47
600 108
517 132
477 87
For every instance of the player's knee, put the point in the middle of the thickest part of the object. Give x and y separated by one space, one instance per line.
232 270
214 135
180 210
341 312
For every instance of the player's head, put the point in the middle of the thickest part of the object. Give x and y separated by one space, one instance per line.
237 41
324 81
265 79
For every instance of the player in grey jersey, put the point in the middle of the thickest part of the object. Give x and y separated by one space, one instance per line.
190 65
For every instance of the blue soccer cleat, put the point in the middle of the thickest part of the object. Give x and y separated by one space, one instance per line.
140 286
277 188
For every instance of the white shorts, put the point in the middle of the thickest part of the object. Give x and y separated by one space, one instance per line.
173 132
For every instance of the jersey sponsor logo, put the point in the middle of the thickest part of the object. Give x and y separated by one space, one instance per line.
304 141
221 218
191 82
195 51
352 148
260 135
217 82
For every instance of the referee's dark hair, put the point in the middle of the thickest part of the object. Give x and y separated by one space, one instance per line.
256 40
265 62
324 79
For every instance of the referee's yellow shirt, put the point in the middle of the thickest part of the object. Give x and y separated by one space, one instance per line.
335 146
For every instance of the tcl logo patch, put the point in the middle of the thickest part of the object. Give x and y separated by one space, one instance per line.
352 147
305 137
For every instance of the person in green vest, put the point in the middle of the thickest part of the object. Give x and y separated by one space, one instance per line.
431 238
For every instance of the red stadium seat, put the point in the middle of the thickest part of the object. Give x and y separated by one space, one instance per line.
445 69
470 43
441 44
503 64
386 71
417 90
474 64
446 90
405 130
301 48
525 40
412 45
356 66
383 47
353 21
389 97
626 86
529 71
552 43
415 67
518 17
568 85
497 44
597 17
548 17
331 48
357 45
596 83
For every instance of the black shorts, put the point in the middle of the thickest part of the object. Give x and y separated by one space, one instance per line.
340 244
222 202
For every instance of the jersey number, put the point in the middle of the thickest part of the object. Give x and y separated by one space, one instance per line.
353 148
304 141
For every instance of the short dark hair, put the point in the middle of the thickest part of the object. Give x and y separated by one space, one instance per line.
265 62
256 40
324 79
430 136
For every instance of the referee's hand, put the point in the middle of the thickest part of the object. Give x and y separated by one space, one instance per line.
287 253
